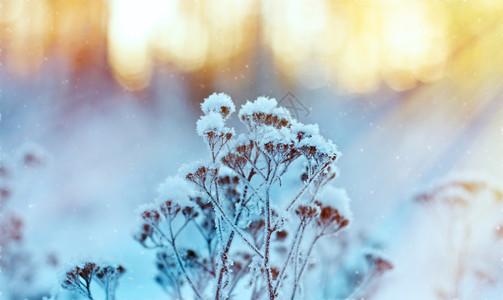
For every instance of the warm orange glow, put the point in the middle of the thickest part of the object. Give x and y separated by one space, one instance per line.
355 46
130 25
360 42
30 31
28 25
190 35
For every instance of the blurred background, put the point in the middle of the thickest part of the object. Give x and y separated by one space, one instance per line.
409 91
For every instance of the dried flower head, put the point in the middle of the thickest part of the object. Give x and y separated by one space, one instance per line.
146 231
220 103
79 278
334 206
377 261
200 173
151 215
234 206
307 212
264 112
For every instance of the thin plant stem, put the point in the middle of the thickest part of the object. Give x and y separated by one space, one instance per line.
180 263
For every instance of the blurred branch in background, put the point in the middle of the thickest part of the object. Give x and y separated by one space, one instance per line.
351 46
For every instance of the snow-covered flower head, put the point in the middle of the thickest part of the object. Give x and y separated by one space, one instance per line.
149 213
218 103
276 140
239 193
212 122
241 150
319 149
200 172
334 205
302 131
264 111
212 128
177 190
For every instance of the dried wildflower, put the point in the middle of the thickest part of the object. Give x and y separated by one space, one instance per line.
466 209
210 124
301 131
168 277
200 173
318 149
146 231
108 277
334 209
79 279
151 215
219 103
17 267
378 262
264 112
170 209
11 229
306 212
232 211
189 212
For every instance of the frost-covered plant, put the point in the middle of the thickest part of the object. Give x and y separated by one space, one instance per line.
467 210
16 264
246 220
78 280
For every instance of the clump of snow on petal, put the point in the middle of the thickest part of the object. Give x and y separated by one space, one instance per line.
220 103
264 111
276 136
210 122
177 190
322 145
261 105
337 198
306 130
